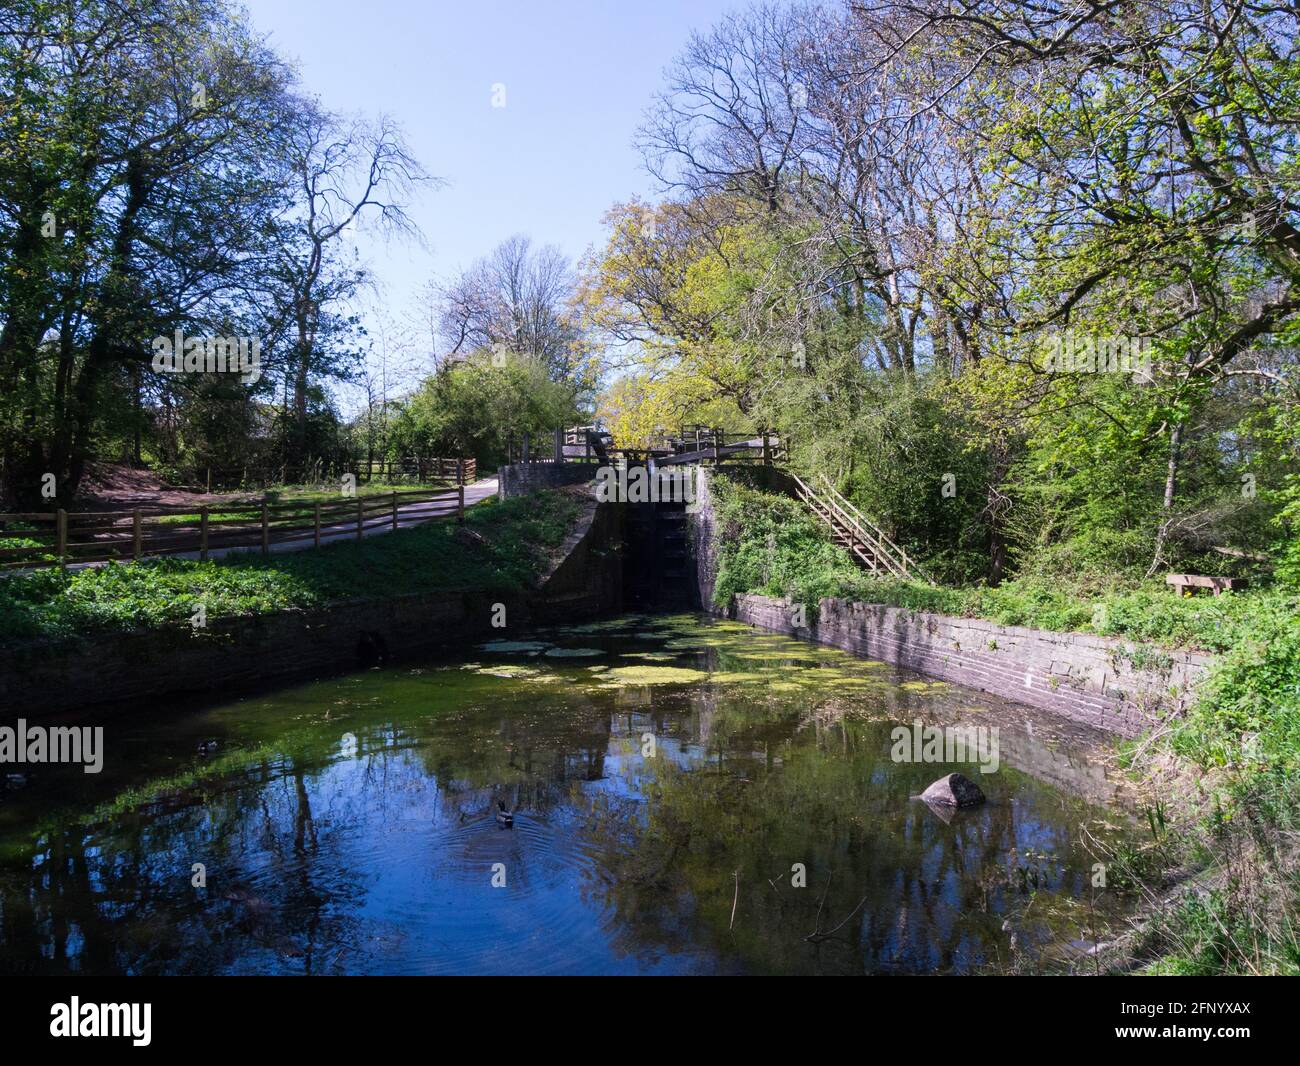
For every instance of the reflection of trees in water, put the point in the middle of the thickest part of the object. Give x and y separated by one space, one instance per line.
746 784
911 887
527 758
277 839
118 897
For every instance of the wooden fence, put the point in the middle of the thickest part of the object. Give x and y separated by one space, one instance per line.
417 469
712 447
65 538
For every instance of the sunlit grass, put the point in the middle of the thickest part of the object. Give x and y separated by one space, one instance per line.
517 539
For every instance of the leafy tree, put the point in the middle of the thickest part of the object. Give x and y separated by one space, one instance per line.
477 405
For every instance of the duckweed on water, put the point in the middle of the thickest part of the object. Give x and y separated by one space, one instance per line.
732 677
655 675
636 859
507 671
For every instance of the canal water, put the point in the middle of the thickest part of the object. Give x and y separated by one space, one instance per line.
684 796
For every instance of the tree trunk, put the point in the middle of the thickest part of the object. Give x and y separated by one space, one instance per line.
1171 489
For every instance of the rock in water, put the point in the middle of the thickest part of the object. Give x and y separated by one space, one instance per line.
954 791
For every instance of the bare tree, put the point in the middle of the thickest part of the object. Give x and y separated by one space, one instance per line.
812 115
349 172
517 297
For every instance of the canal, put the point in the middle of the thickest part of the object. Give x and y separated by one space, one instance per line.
681 795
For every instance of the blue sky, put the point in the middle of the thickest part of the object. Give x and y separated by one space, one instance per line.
578 75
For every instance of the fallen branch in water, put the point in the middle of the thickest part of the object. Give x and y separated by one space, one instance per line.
817 936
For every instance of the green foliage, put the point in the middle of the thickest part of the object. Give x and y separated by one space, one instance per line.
472 407
1244 915
1248 714
519 533
770 544
892 444
1284 433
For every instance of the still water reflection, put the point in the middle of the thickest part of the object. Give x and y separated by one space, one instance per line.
668 778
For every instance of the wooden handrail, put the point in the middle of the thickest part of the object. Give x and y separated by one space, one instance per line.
878 549
908 564
888 554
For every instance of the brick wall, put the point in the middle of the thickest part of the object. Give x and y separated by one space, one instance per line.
519 479
236 654
1102 682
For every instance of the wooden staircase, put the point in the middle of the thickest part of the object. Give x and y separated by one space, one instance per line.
858 535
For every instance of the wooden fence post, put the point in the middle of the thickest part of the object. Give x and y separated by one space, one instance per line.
137 536
360 519
394 510
460 503
460 471
61 535
317 509
203 533
767 450
266 531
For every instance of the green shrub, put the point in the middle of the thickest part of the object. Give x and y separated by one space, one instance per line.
771 544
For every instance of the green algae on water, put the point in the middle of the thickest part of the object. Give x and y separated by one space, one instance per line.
655 675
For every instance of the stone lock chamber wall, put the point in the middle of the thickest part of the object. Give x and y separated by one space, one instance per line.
237 654
1111 684
1099 681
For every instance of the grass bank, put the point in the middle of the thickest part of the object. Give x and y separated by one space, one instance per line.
770 544
1236 815
517 538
